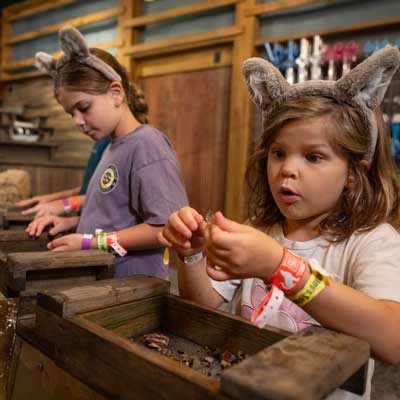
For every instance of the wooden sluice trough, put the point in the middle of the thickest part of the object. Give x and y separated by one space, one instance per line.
87 338
13 219
26 267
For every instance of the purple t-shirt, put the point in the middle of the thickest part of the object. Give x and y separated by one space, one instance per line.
136 181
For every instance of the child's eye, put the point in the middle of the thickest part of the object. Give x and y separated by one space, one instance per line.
277 153
313 157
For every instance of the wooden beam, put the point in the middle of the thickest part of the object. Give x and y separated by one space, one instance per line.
241 114
27 62
26 8
218 36
190 60
177 12
384 23
87 19
260 9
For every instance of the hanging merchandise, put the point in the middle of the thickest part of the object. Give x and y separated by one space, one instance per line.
329 58
350 55
276 54
316 58
303 60
289 64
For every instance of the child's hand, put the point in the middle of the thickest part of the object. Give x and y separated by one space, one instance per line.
184 231
240 251
66 243
55 207
59 224
44 198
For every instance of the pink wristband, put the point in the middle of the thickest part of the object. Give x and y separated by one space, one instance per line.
67 205
86 243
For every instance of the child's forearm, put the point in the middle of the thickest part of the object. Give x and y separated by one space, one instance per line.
344 309
195 284
138 237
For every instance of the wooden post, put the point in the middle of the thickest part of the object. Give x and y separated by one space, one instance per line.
241 114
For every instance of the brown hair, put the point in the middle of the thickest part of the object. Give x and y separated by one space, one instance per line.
79 76
373 196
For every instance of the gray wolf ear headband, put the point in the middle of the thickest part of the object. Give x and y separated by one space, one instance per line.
73 45
362 87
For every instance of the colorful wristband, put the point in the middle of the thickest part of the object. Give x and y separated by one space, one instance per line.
266 311
86 243
67 205
102 241
289 273
193 258
313 287
112 242
75 206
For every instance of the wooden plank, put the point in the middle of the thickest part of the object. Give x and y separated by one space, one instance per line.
218 36
37 377
262 9
27 62
347 29
216 329
307 365
241 115
22 267
87 19
117 367
107 293
177 12
191 60
385 381
31 7
12 241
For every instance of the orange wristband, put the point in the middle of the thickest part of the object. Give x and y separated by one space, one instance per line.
289 273
75 206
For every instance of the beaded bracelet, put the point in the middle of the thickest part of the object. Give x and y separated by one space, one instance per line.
102 241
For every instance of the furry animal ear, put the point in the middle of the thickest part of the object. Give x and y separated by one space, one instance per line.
45 62
368 81
73 43
265 83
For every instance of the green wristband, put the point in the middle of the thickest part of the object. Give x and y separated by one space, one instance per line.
102 241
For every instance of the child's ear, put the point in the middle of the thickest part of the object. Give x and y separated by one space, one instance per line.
117 93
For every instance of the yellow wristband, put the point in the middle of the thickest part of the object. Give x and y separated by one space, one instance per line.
313 287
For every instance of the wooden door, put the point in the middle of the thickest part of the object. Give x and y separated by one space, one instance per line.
190 103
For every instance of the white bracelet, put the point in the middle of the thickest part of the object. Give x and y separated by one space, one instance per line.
194 258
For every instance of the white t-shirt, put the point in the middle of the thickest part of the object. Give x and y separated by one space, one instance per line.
368 261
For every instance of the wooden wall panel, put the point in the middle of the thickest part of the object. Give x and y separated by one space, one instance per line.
37 95
48 179
192 108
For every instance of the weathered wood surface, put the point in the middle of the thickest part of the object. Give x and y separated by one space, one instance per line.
307 365
39 378
386 382
73 300
93 347
14 241
116 367
11 219
31 266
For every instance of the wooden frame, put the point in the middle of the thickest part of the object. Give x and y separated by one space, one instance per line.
85 331
20 11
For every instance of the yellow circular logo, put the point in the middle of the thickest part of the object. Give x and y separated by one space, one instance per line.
109 179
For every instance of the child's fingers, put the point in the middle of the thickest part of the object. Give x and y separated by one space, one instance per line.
175 238
163 240
31 210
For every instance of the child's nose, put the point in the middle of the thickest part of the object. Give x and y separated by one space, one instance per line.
289 169
78 120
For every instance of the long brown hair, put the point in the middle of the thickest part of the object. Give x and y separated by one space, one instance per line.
81 77
373 195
